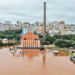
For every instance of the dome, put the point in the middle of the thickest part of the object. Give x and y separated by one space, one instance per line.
61 22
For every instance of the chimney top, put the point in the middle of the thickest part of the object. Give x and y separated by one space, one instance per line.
44 2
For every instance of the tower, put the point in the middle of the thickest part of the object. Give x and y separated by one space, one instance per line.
44 33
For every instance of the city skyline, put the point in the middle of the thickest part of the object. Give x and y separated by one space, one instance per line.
22 10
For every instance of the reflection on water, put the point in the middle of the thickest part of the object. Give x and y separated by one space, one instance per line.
44 57
62 53
30 53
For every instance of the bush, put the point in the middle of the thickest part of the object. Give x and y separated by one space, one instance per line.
62 43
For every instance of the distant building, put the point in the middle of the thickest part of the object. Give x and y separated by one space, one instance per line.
62 22
30 41
55 23
47 26
61 25
40 30
19 23
26 24
54 31
15 27
3 27
37 24
68 32
7 26
74 29
7 22
61 31
26 29
5 40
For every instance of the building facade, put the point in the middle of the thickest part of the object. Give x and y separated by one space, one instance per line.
30 41
40 30
54 31
3 27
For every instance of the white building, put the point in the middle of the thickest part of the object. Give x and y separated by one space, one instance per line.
7 22
5 40
53 31
3 27
61 26
47 26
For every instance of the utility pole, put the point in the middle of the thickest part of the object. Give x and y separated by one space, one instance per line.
44 33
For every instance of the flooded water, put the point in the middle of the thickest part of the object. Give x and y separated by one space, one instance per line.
35 62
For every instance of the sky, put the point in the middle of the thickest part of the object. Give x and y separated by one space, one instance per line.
32 10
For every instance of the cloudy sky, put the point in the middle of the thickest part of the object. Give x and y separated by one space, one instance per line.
32 10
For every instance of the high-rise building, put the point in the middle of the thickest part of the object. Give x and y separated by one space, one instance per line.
3 27
61 25
19 23
7 22
26 29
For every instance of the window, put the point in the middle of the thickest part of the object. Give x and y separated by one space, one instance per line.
24 38
35 39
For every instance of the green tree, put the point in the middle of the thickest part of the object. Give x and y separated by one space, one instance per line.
50 39
1 44
62 43
40 36
18 38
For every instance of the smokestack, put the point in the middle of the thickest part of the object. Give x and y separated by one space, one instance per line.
44 33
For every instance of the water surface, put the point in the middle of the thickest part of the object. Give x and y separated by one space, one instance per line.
34 62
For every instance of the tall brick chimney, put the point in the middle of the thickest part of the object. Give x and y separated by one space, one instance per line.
44 33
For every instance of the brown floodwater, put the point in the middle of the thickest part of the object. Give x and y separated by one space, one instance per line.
35 62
